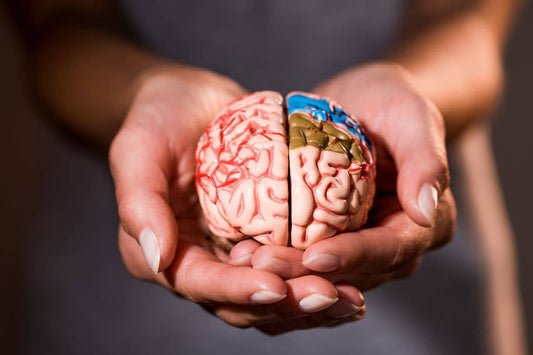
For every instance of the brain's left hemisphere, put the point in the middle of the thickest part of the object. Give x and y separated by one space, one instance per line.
242 175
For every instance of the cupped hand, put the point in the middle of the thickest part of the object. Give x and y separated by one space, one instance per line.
390 247
414 210
162 237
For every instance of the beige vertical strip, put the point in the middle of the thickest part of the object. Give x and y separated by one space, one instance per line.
485 201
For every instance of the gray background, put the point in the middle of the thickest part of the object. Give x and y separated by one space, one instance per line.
28 143
513 144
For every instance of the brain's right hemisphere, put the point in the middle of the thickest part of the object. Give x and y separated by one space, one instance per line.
244 159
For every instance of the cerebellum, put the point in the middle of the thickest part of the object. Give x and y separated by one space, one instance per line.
248 154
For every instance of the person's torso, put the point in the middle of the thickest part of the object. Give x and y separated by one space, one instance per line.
267 44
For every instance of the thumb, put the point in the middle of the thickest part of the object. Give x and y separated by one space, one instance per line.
141 163
419 152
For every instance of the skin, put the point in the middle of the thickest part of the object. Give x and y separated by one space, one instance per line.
444 74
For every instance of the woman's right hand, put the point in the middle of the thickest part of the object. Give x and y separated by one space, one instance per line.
162 238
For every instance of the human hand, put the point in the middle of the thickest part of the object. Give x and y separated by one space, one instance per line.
390 247
153 165
406 220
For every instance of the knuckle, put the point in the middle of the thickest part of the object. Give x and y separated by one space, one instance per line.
189 292
117 148
405 250
127 209
425 108
187 285
436 115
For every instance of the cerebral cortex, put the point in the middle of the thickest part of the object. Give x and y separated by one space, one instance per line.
284 181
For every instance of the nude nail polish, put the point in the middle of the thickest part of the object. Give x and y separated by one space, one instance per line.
266 297
322 262
316 302
427 202
151 249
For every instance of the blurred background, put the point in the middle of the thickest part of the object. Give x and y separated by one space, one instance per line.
512 139
31 181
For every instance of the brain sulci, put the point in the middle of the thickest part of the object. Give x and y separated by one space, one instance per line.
284 172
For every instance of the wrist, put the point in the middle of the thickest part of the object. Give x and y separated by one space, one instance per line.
181 78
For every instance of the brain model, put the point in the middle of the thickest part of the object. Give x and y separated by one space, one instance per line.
284 182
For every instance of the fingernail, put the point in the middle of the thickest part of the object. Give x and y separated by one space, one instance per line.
151 249
343 309
360 302
266 296
322 262
427 202
316 302
274 265
243 260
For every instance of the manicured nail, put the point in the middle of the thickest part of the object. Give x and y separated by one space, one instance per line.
427 202
316 302
322 262
151 249
343 309
266 296
274 265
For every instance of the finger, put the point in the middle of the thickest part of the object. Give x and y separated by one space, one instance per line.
310 293
141 163
283 261
286 263
350 307
200 277
370 251
241 254
351 302
305 295
133 257
385 248
419 152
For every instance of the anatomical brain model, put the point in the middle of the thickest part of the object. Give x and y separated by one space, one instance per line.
258 179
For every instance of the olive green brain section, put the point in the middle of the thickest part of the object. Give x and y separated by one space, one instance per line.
323 135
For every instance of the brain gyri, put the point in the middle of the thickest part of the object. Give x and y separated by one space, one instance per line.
284 181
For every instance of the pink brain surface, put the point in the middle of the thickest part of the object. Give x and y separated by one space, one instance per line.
245 156
242 171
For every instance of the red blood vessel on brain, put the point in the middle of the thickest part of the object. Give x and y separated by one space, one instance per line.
285 182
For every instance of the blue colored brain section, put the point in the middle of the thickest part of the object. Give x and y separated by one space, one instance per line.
321 110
